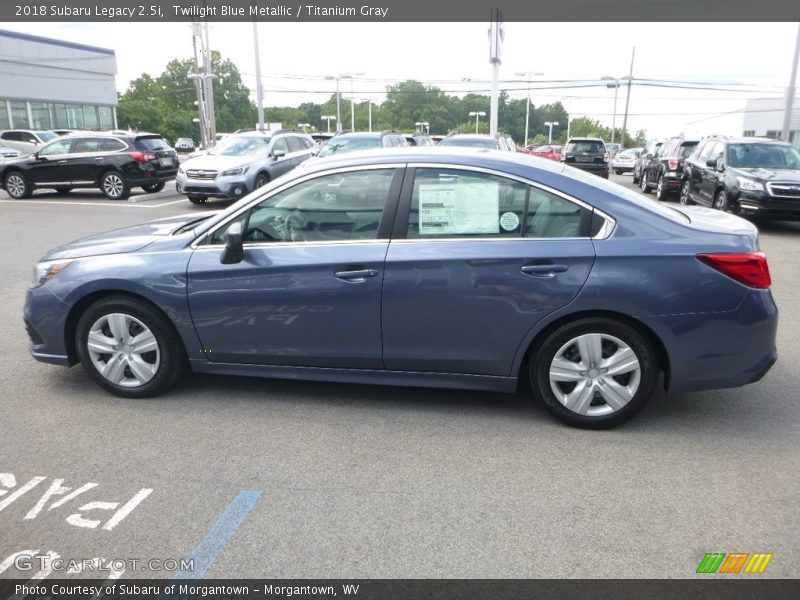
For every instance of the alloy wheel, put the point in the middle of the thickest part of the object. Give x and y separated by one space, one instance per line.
113 185
15 186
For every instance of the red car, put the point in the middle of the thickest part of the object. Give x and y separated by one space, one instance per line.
551 152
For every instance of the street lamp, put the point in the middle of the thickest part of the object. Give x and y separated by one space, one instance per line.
528 103
304 126
550 125
329 118
349 76
477 114
423 126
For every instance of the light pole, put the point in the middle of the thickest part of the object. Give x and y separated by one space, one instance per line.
477 114
349 76
550 125
329 118
528 103
615 84
304 126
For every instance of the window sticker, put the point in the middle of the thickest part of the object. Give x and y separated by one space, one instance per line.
509 221
464 208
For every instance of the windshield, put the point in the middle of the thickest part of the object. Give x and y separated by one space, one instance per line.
46 136
769 156
232 145
586 147
144 144
469 142
345 144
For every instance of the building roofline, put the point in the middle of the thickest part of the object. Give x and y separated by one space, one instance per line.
38 38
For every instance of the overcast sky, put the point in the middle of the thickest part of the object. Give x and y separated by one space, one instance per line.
295 57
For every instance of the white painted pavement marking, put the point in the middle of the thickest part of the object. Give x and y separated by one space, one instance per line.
90 203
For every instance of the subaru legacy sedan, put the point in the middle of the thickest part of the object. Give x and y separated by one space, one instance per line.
481 270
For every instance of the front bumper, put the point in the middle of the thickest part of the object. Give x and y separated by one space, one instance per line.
219 187
45 318
763 205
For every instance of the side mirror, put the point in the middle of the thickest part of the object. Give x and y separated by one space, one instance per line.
711 163
278 154
234 248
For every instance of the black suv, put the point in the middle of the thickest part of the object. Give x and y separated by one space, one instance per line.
587 154
748 176
650 150
665 169
112 162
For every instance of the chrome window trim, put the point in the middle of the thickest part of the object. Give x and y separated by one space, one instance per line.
605 230
210 233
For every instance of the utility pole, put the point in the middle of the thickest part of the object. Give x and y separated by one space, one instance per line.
259 89
627 101
212 121
496 35
201 113
787 115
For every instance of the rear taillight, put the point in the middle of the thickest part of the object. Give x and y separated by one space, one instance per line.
748 268
143 157
673 164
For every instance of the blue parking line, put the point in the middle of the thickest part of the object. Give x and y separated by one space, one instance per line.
207 551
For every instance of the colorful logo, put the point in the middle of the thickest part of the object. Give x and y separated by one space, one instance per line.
736 562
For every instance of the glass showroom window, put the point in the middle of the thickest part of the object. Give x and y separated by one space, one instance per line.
41 115
106 117
90 116
19 114
4 121
60 118
75 116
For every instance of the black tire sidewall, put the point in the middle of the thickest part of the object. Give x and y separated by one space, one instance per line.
172 358
541 359
126 188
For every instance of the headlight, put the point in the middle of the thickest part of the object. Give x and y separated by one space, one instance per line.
236 171
46 270
750 185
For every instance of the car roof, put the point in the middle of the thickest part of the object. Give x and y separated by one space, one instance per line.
584 139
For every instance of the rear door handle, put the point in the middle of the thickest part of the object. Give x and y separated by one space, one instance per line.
544 270
357 275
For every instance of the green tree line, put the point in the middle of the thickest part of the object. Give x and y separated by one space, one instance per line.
166 104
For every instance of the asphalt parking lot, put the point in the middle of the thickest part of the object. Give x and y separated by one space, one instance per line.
260 478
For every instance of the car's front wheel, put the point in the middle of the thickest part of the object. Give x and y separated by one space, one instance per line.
114 185
618 171
661 189
18 186
128 347
152 188
261 180
721 201
685 197
645 184
594 373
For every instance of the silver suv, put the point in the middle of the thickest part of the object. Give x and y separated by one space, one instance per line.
241 162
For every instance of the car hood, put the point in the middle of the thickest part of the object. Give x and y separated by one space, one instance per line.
770 175
128 239
211 162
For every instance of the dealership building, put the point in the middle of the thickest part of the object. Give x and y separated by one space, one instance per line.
763 117
53 84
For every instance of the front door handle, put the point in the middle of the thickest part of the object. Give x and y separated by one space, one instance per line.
356 275
544 270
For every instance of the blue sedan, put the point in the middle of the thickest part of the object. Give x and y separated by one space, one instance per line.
472 269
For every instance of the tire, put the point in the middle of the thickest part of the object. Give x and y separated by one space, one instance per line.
17 185
114 185
721 201
685 199
197 198
596 399
661 190
262 179
644 184
617 171
63 190
154 187
113 324
635 177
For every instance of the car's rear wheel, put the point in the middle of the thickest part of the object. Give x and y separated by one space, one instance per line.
128 347
152 188
594 373
645 184
63 190
685 198
618 171
721 201
197 198
114 185
17 186
661 189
